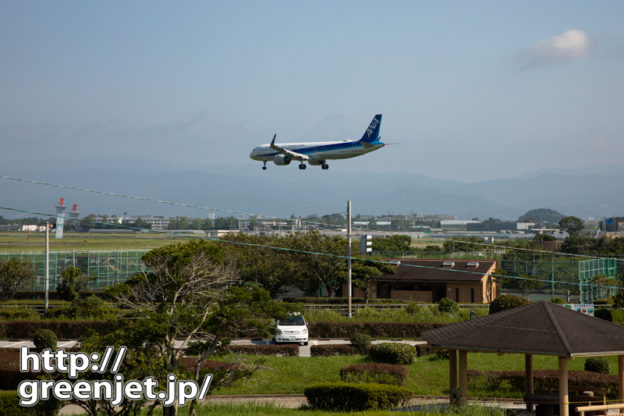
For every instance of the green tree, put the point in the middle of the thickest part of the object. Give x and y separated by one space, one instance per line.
572 225
272 269
14 274
189 297
71 283
319 261
577 244
364 272
462 244
392 243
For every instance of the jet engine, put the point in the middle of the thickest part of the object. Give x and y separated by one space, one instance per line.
281 160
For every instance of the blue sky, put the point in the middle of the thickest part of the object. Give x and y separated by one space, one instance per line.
470 90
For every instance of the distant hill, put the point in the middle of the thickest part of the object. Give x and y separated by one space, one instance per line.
286 191
542 215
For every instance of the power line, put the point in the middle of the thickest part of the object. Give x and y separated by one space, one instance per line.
318 253
147 199
202 207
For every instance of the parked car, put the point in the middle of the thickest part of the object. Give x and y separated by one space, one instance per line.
292 329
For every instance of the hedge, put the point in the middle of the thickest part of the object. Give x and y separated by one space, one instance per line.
269 349
375 373
392 353
25 329
355 396
546 380
62 329
374 329
340 301
337 349
423 350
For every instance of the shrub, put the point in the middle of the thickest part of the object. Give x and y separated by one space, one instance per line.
89 308
374 329
18 312
597 365
361 342
336 300
446 305
392 353
288 350
604 314
44 339
63 329
502 303
375 373
329 350
557 300
355 396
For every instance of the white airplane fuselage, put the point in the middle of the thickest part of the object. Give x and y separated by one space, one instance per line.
318 153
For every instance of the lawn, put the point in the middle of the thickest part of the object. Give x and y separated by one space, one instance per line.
428 375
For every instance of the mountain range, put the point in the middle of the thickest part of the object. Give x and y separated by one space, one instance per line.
285 191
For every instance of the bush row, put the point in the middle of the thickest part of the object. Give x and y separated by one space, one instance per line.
338 349
355 396
338 301
392 353
25 329
18 312
62 329
375 373
545 380
374 329
288 350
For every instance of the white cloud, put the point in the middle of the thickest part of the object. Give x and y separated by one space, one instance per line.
570 45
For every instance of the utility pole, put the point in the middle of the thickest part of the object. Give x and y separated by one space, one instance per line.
349 254
47 265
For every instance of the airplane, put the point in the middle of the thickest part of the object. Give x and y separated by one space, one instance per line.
318 153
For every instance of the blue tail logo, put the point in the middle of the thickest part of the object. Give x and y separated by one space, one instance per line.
372 132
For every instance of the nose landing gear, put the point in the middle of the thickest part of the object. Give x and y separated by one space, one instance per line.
264 167
302 166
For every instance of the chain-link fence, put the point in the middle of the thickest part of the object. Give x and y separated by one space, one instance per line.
103 267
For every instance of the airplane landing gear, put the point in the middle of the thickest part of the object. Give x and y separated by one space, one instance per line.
302 166
325 166
264 167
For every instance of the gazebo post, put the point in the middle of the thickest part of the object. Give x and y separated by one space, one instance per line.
528 376
564 400
463 377
621 377
453 377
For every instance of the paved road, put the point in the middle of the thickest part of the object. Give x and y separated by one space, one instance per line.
304 351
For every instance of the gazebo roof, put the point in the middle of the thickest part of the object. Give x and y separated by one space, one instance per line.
540 328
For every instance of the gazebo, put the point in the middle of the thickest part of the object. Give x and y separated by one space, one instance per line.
541 328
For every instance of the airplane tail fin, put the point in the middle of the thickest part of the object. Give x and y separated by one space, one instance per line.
372 132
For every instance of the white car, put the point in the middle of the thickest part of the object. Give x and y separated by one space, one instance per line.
292 329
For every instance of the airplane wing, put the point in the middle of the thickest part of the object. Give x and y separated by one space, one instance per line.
289 153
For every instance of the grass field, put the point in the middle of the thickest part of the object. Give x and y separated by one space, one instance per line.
15 242
428 375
